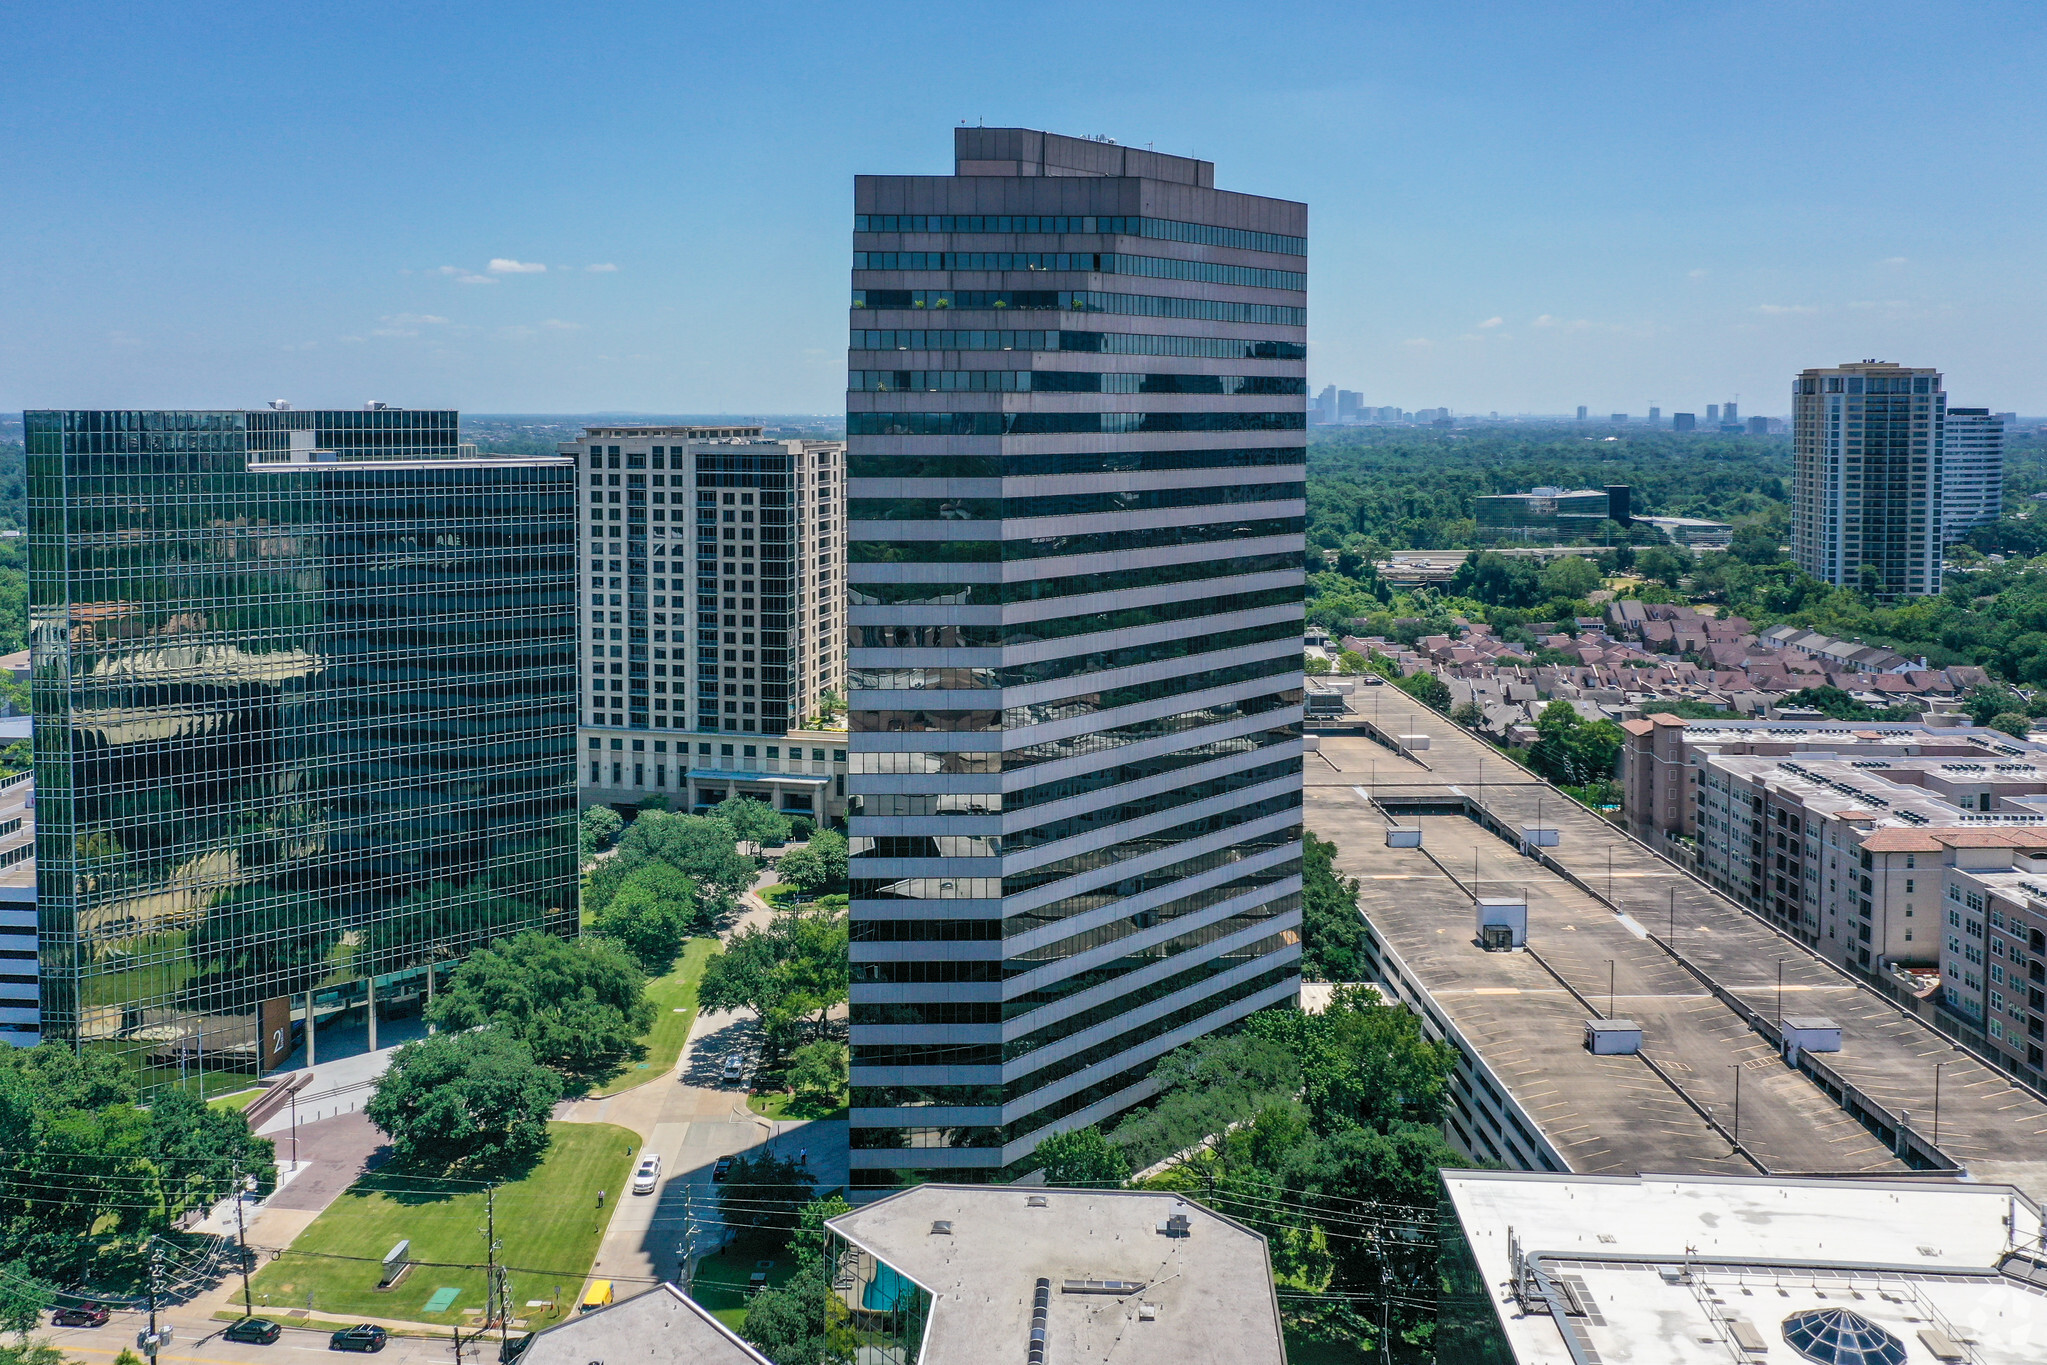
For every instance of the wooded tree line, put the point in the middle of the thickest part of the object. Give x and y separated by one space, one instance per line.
88 1174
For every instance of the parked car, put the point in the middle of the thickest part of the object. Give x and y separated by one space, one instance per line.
80 1315
254 1331
364 1337
647 1176
735 1067
722 1169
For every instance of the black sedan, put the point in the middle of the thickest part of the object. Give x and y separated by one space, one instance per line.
80 1315
256 1331
366 1337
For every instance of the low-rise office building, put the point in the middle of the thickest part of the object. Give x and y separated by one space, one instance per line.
964 1274
663 1326
1706 1270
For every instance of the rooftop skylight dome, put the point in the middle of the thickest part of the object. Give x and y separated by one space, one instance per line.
1837 1336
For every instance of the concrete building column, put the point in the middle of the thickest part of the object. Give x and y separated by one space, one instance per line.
370 1005
309 1028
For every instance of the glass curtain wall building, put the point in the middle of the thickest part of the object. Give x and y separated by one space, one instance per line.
1075 509
304 722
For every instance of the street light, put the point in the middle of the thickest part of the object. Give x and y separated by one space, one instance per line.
1936 1102
1609 988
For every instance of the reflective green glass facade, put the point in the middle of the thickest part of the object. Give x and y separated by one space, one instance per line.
304 729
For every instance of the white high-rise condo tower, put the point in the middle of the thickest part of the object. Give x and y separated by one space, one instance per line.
1866 476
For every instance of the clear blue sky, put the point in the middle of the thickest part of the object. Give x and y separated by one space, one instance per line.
1518 207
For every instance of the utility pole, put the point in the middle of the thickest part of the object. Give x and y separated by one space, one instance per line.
1780 1000
491 1300
155 1338
1609 988
1936 1102
242 1241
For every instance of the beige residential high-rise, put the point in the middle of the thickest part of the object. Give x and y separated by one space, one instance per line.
1866 476
711 614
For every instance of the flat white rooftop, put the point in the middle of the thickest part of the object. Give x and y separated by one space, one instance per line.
1708 1270
1204 1297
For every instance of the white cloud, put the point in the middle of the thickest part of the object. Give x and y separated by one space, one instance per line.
1418 343
451 270
1781 309
1894 260
1494 322
558 325
606 269
515 333
413 320
1546 320
393 332
123 339
1699 274
474 279
500 265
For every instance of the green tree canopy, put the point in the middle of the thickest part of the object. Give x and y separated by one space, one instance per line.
793 969
650 915
819 1068
701 847
754 821
579 1006
763 1196
86 1172
1332 932
596 828
1572 751
1083 1157
476 1098
1426 688
1570 577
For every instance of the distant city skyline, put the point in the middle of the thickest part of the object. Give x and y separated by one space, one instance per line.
496 208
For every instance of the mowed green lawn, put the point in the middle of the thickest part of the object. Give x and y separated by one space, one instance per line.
549 1224
675 1010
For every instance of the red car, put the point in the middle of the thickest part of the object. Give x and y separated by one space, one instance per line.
80 1315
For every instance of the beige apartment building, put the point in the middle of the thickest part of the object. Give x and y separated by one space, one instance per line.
1881 846
711 610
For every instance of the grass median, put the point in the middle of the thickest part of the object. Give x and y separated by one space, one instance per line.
675 1006
548 1223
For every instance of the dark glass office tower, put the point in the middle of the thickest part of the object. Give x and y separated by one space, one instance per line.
305 722
1075 480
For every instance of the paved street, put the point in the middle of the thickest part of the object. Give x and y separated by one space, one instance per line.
692 1118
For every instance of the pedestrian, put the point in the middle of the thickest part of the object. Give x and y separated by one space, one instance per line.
600 1199
803 1156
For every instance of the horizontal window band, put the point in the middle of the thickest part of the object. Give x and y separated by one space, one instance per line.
915 762
1105 462
1071 381
1082 301
1065 423
1158 229
994 720
1039 589
1059 628
1086 262
1023 675
1091 343
1044 547
1069 504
